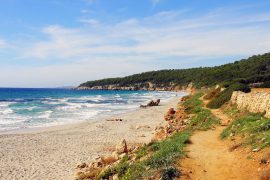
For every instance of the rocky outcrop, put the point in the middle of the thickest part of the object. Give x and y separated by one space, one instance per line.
255 101
149 86
151 103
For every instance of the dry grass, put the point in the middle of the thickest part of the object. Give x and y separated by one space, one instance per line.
212 93
108 160
88 175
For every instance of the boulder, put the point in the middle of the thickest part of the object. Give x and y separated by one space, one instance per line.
151 103
171 111
122 147
108 160
170 114
81 166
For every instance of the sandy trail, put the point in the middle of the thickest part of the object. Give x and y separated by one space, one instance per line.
210 159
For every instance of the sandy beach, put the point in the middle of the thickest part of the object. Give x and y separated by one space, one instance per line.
53 153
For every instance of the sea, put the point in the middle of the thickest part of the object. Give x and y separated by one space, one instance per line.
23 108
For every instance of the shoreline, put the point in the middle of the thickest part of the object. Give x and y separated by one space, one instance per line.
54 152
67 125
61 125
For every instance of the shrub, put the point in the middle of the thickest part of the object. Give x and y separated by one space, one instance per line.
106 174
265 85
212 93
225 95
170 173
122 166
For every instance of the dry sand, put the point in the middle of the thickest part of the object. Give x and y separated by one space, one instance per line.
53 153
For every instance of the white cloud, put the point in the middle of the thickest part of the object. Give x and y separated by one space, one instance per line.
96 49
3 43
91 22
68 74
162 35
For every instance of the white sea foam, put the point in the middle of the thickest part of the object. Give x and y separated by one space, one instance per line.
56 111
12 120
6 111
45 114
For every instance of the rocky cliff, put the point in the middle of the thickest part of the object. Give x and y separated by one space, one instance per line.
257 101
141 86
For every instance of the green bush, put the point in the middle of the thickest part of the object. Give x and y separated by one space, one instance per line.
225 96
265 85
170 173
122 166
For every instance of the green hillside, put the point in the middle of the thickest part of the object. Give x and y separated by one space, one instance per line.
247 71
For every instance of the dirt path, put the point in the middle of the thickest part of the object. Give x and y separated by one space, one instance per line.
210 159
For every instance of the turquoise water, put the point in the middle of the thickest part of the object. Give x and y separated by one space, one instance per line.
28 108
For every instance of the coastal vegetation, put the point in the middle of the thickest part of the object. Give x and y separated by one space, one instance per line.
221 97
159 158
162 158
162 155
203 119
253 128
237 76
254 70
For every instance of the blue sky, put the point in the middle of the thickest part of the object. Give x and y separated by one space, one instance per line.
50 43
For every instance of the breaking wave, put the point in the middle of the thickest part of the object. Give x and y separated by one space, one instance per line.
48 107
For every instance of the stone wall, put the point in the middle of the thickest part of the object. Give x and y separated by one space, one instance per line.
255 101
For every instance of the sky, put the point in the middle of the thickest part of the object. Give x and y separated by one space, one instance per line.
53 43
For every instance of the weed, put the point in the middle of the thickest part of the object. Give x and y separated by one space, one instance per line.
135 171
122 166
203 119
231 111
141 152
168 150
254 127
